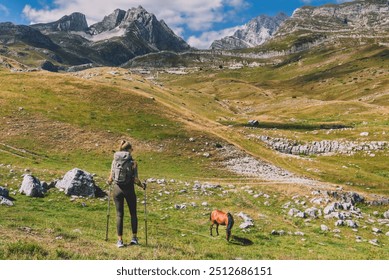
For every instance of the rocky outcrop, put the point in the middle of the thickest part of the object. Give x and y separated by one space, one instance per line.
287 146
254 33
362 18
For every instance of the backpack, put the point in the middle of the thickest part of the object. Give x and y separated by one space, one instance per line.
122 168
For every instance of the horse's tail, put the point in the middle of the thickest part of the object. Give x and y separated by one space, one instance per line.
230 223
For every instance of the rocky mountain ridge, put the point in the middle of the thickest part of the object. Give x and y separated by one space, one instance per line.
74 22
124 36
136 23
119 37
254 33
361 18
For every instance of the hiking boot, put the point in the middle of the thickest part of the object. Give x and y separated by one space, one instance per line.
134 241
120 244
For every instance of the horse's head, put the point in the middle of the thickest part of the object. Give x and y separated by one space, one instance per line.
230 224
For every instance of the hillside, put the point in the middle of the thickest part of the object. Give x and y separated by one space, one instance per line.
290 137
192 129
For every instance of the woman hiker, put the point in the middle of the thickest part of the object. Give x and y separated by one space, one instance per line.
124 175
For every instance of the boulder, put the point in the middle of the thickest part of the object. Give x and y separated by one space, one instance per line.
246 224
354 198
278 232
77 182
31 186
386 215
374 242
253 123
161 181
5 201
301 215
245 217
331 208
180 206
376 230
4 192
351 223
293 211
313 212
297 213
324 228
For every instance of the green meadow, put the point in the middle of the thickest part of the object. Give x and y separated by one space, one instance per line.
51 123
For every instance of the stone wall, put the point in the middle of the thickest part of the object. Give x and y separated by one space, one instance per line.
288 146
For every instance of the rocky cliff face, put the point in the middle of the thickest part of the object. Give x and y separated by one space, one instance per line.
254 33
135 25
108 23
156 34
73 22
11 34
361 18
118 38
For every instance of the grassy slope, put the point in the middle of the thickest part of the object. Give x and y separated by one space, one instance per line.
332 87
55 122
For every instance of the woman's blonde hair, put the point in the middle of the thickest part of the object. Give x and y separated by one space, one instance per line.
125 145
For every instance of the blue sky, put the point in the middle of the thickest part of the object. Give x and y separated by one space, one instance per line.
199 22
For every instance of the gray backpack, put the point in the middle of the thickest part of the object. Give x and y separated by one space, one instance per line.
122 168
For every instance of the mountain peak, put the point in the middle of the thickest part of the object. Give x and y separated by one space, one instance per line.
108 23
254 33
138 14
73 22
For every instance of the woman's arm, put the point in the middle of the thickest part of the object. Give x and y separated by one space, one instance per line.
137 180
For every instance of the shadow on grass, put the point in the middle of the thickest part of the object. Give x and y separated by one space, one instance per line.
241 241
297 126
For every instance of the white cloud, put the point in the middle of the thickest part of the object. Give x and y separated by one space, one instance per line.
205 40
193 14
4 10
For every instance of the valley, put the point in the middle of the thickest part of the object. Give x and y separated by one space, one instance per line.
293 144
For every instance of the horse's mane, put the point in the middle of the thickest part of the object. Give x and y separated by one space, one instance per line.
230 221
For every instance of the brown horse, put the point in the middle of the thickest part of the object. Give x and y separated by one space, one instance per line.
217 218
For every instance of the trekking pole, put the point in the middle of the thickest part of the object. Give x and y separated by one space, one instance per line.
108 210
145 211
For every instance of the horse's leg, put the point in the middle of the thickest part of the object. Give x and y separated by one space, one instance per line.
210 228
217 229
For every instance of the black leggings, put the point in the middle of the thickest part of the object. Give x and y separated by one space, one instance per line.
119 194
